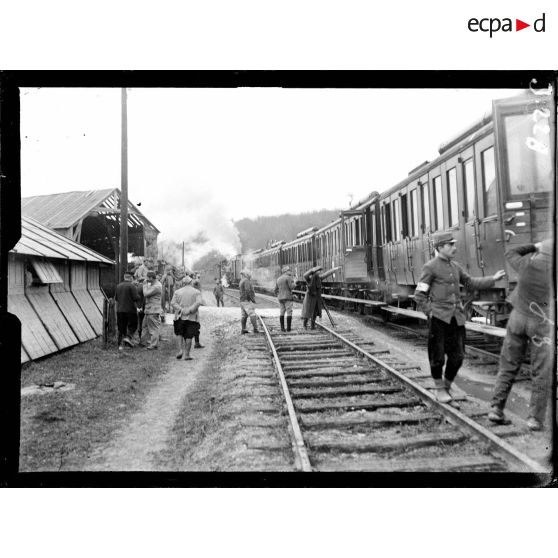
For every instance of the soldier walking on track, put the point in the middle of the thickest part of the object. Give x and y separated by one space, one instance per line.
437 295
284 293
126 298
185 303
247 301
532 321
219 292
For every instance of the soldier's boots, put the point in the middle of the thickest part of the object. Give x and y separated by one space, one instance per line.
282 322
243 323
440 391
254 321
289 320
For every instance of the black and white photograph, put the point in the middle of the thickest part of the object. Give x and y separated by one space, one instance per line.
286 276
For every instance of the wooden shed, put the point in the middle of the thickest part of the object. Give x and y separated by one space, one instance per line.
92 219
54 290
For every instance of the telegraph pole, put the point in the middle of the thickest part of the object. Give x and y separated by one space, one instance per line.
123 264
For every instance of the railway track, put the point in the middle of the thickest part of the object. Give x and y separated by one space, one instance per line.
355 406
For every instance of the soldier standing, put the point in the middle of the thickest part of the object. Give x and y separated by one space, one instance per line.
284 293
219 292
247 301
437 295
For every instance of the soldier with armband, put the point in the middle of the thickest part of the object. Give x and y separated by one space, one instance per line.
437 295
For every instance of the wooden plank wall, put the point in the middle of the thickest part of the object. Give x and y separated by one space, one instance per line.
80 278
35 338
93 285
51 316
68 305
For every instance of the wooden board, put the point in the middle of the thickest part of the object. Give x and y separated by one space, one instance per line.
52 318
484 328
74 314
90 310
34 337
98 296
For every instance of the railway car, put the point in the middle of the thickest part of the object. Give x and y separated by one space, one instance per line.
491 186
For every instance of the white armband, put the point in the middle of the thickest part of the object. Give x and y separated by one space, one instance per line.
423 287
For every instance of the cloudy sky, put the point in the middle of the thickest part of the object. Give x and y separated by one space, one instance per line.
200 158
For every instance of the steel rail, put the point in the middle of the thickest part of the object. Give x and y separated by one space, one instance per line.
297 440
502 448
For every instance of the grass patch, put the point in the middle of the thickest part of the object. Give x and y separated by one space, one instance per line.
60 429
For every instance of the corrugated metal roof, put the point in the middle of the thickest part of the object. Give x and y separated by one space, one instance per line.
38 240
62 211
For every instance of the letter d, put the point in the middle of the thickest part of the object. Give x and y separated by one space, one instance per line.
535 25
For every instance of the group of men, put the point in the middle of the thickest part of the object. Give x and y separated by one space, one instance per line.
142 299
531 323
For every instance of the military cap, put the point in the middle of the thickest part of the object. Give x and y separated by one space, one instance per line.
443 238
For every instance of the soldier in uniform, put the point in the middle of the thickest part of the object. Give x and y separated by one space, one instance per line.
531 322
437 295
247 301
218 292
284 292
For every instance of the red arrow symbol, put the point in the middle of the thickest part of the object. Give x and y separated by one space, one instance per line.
519 25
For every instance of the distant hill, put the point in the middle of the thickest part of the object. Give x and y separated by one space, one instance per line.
262 231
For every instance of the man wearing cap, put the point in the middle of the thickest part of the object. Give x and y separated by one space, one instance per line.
185 304
284 292
127 300
247 301
312 303
152 290
437 295
531 323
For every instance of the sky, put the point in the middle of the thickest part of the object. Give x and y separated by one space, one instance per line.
200 158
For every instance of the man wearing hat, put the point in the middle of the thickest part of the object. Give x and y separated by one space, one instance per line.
312 303
531 322
152 290
247 301
284 292
437 295
185 304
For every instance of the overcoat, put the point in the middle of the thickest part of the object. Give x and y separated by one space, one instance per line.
312 304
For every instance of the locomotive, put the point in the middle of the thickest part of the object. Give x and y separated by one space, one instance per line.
492 187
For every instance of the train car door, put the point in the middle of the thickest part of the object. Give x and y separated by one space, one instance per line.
471 220
525 129
491 233
454 205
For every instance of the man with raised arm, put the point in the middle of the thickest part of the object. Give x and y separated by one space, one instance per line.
437 295
531 322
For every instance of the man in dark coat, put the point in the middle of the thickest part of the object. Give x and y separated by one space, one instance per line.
437 295
284 292
218 292
532 322
127 300
312 303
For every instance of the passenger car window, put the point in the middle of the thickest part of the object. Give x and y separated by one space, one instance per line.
528 162
489 182
452 198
